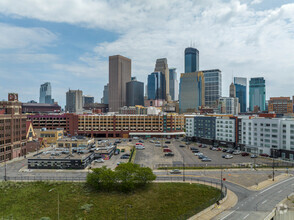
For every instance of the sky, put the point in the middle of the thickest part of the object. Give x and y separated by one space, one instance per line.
68 42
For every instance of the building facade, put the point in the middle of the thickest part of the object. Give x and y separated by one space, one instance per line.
225 131
232 90
119 74
104 99
192 92
161 66
87 99
156 86
173 84
228 105
74 101
257 93
191 60
135 93
241 92
45 94
213 86
40 108
280 105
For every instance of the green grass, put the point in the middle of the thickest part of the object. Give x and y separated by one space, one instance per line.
77 201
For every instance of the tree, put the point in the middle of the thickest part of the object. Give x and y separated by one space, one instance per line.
125 174
108 180
144 175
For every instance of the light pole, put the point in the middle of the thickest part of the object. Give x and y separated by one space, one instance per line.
57 201
221 179
126 208
273 169
5 174
183 169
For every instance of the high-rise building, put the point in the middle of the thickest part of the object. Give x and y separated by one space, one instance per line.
74 101
232 90
156 86
45 94
257 93
119 74
241 92
213 86
135 92
104 99
173 84
87 99
192 92
191 60
228 105
161 66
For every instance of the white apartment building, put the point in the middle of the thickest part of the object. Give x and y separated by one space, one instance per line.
225 129
287 138
190 127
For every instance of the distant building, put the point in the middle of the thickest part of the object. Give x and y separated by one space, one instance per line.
45 93
156 86
280 105
161 66
40 108
257 93
191 60
119 74
228 105
173 84
96 108
241 92
133 110
232 90
213 86
153 102
87 99
135 92
104 99
74 101
192 92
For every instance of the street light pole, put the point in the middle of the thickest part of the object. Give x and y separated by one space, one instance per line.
57 201
5 174
273 170
183 169
221 180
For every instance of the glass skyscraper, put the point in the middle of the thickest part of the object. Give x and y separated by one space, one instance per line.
156 86
191 60
173 84
191 92
45 94
257 93
213 86
241 92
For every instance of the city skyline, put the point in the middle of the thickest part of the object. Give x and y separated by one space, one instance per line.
71 51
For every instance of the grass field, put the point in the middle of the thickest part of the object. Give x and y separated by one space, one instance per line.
157 201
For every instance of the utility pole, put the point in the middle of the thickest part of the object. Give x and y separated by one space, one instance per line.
221 179
273 170
5 175
183 169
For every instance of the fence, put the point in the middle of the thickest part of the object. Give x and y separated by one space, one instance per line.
44 178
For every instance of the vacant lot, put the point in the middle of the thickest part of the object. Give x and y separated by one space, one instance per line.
158 201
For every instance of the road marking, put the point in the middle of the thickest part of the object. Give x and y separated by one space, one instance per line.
246 216
280 191
275 185
264 201
228 215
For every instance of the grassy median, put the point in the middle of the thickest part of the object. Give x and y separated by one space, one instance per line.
77 201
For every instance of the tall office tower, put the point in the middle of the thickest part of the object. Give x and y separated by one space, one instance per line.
119 74
192 92
257 93
191 60
161 66
104 99
228 105
74 101
213 86
173 84
45 94
87 99
135 92
232 90
241 92
156 86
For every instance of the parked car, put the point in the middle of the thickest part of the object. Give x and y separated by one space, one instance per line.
244 154
167 142
124 157
204 146
188 143
195 151
100 160
193 148
219 149
167 150
140 141
206 159
230 151
116 152
175 171
198 154
253 156
236 152
169 154
140 147
151 141
224 150
165 146
135 138
224 156
201 157
182 146
130 140
139 144
228 156
118 163
264 155
157 142
157 145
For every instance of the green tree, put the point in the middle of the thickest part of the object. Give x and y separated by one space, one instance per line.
144 175
108 179
93 179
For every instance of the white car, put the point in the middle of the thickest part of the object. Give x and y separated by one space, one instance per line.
175 171
228 156
198 154
237 152
99 160
140 147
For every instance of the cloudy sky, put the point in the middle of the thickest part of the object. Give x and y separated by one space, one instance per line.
67 42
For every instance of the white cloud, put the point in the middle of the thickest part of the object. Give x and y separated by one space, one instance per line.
231 36
255 2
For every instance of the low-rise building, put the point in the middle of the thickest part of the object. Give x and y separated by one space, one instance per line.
280 105
225 131
50 136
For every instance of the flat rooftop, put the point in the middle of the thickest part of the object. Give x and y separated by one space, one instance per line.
58 155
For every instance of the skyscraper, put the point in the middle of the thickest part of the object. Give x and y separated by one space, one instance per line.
87 99
119 75
192 91
45 93
104 99
74 101
213 86
191 60
173 84
156 86
135 92
161 66
241 92
232 90
257 93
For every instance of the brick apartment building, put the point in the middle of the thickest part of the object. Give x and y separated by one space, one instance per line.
12 129
280 105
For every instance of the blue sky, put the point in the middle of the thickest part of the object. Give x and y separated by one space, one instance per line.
67 42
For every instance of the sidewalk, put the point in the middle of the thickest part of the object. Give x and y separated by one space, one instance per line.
269 182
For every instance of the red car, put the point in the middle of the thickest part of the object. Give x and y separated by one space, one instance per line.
264 155
167 150
244 154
